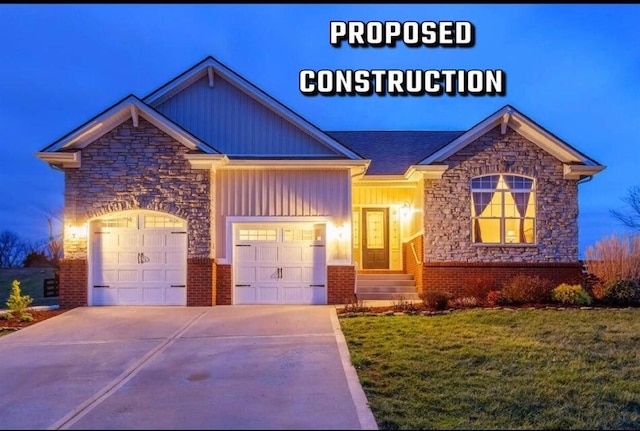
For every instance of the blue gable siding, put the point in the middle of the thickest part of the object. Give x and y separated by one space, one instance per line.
238 125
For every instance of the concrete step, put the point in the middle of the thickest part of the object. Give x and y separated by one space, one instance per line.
386 282
388 289
388 296
361 276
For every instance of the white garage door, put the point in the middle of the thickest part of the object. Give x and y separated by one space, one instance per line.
280 264
138 259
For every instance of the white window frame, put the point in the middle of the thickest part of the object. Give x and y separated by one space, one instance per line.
503 217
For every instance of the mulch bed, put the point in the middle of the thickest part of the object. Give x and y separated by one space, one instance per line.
38 316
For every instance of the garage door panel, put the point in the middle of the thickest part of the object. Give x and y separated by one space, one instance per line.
127 275
292 274
127 239
157 257
128 258
153 275
153 239
267 253
174 276
128 295
175 239
246 254
105 295
267 273
246 275
290 254
153 296
175 296
267 294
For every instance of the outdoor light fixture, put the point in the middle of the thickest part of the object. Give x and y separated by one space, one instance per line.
76 232
406 210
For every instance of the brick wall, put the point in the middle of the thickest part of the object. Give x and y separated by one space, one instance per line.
341 282
454 276
73 283
224 290
410 266
201 282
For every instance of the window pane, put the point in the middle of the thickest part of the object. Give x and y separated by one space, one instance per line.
486 230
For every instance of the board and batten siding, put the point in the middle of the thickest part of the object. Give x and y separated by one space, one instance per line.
280 193
236 124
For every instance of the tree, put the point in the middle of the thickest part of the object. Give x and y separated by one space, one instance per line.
54 245
13 249
36 259
630 215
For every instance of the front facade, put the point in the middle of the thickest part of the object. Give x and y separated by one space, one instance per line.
210 192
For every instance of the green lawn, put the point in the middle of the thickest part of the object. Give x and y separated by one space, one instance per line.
500 369
30 279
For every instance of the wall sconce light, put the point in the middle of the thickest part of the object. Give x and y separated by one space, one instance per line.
76 232
406 210
511 236
340 230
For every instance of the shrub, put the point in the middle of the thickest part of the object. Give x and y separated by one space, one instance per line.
18 303
612 260
523 289
570 294
436 299
354 305
622 292
466 302
479 287
494 297
399 303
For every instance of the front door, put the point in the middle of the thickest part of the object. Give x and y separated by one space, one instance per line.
375 238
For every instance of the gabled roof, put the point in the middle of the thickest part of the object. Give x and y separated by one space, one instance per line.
107 120
393 152
211 67
508 116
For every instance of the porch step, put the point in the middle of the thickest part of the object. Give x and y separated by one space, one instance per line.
386 287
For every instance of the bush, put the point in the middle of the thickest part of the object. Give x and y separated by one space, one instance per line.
18 303
523 289
436 299
479 287
570 294
494 297
611 261
623 292
466 302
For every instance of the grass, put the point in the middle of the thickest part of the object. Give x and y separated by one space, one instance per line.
499 369
31 280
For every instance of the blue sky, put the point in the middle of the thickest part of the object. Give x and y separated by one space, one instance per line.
574 69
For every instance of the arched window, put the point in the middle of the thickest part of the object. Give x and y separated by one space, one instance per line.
503 209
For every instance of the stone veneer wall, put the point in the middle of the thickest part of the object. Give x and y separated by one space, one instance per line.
138 168
410 266
447 203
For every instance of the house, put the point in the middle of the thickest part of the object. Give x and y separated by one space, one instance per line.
209 191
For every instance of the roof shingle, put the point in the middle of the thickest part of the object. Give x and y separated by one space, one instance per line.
392 152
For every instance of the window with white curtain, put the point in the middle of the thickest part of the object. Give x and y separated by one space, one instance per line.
503 209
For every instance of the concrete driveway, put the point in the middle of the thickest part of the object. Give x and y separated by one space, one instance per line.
225 367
